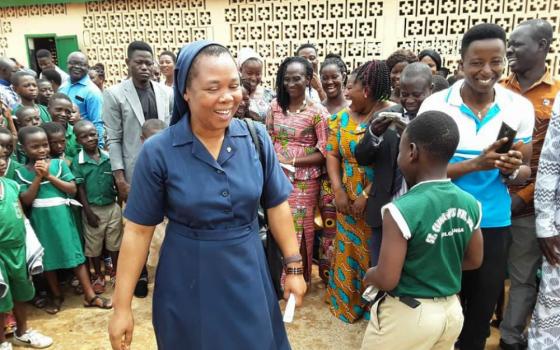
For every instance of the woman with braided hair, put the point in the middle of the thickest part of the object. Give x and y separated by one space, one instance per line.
368 90
298 128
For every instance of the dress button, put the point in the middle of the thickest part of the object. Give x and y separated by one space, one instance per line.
225 193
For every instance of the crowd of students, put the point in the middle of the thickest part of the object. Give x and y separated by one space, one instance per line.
419 192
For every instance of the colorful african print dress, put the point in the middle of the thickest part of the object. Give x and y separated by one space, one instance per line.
351 246
298 135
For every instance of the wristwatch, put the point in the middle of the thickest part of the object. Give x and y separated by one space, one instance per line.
513 175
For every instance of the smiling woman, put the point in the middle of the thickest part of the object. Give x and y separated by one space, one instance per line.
212 275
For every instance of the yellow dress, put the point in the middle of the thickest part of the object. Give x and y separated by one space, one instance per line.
351 246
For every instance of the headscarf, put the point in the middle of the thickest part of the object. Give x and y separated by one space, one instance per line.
184 62
246 53
433 55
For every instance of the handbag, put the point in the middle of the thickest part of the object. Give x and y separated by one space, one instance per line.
271 249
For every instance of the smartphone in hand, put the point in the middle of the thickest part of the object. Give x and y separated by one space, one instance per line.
510 133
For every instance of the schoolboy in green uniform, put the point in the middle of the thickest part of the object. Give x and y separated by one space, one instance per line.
101 215
430 235
13 267
60 108
25 85
6 151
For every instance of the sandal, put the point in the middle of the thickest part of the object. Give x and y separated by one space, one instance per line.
54 305
40 300
105 303
99 285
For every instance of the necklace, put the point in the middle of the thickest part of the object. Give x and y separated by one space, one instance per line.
479 112
300 109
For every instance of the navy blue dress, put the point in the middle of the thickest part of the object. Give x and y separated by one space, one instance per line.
213 289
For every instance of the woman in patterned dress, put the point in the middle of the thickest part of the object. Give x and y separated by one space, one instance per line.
368 90
298 128
334 74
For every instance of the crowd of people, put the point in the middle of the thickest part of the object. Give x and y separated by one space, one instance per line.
418 193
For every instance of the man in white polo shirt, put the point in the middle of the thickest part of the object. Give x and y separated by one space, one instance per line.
479 106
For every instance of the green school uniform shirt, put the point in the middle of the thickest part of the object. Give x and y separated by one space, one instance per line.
11 169
43 112
12 230
437 219
72 145
97 178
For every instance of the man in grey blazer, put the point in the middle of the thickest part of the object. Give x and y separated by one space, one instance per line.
126 106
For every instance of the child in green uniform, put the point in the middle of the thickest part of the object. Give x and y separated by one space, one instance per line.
101 216
25 116
25 85
60 108
6 151
13 269
45 91
56 134
46 188
430 235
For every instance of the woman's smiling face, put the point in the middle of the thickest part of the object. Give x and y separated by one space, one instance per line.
213 97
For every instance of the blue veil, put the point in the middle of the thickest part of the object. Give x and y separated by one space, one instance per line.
187 54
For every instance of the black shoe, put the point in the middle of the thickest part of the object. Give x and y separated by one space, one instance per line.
514 346
141 290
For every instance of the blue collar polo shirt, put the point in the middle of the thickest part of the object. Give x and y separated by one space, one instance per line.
87 96
487 186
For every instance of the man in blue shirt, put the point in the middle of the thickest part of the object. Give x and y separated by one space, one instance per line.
7 94
83 92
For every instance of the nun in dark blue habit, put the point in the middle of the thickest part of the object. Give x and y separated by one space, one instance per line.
212 289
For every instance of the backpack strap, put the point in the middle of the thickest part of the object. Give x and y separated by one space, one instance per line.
258 146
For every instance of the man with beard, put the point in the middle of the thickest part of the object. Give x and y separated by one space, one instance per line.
127 106
527 48
83 92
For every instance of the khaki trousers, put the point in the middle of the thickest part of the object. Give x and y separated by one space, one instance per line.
434 324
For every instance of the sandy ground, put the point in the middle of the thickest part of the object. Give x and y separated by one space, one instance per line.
76 327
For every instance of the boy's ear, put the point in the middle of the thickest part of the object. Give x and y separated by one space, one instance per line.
127 61
460 65
414 152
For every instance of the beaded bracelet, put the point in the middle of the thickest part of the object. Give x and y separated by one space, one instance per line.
294 270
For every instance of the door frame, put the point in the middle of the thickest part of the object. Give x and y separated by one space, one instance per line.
33 36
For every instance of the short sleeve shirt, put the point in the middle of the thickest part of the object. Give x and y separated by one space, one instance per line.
96 177
437 219
176 176
148 101
475 135
12 230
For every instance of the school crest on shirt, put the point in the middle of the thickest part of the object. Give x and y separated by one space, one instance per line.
546 102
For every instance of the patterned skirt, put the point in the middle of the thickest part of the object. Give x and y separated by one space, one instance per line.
349 266
303 201
328 233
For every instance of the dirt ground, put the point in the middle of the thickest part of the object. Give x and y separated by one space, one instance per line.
76 327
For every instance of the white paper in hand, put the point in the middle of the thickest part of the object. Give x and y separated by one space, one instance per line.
290 309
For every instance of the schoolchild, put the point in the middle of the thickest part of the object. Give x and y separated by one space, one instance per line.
101 215
60 108
46 190
13 268
25 85
430 235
